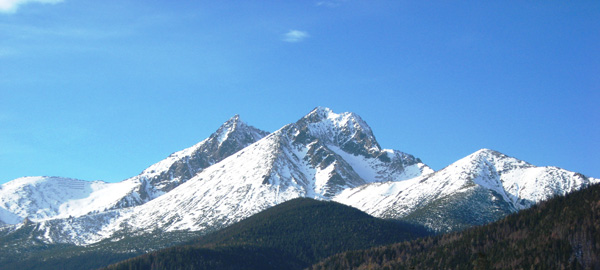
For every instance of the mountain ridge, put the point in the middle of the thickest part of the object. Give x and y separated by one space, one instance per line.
240 170
290 235
100 196
559 233
492 183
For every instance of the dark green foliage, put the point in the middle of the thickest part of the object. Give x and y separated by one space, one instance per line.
291 235
34 254
189 257
562 233
462 210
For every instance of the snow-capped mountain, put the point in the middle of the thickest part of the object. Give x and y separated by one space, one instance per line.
475 190
319 156
39 198
239 171
42 198
179 167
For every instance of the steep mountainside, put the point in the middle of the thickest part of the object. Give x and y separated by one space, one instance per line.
317 157
43 198
562 233
39 198
233 136
239 171
475 190
299 160
291 235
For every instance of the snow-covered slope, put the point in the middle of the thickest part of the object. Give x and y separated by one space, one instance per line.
319 156
475 190
179 167
42 198
231 137
240 170
39 198
299 160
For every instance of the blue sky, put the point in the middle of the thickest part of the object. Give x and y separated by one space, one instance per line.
100 90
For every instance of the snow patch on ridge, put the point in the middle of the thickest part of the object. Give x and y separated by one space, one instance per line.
164 165
519 185
324 155
55 197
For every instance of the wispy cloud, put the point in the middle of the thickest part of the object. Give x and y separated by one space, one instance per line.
330 3
295 36
11 6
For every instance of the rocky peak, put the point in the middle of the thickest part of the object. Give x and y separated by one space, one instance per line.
230 137
237 131
491 159
345 130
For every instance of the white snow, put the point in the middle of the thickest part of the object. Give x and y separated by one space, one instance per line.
266 173
270 171
519 183
7 217
165 164
41 198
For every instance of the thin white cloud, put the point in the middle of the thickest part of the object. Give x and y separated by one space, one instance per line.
11 6
330 3
295 36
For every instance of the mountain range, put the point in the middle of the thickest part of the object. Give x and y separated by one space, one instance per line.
291 235
240 170
560 233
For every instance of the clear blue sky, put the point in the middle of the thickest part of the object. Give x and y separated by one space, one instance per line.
100 90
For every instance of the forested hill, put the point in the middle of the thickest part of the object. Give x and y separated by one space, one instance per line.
561 233
292 235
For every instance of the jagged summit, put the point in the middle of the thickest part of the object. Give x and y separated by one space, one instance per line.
297 160
230 137
234 123
479 188
238 131
43 198
345 130
323 114
318 156
489 160
240 170
486 153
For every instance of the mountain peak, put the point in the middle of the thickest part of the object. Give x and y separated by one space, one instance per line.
346 130
318 114
234 126
324 120
494 156
234 120
484 158
485 152
323 112
230 137
233 123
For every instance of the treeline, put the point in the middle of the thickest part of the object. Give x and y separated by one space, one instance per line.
292 235
562 233
34 254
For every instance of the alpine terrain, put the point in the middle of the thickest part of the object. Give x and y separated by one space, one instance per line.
281 238
240 170
475 190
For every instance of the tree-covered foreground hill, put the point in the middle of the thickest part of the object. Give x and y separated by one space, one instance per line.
561 233
292 235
